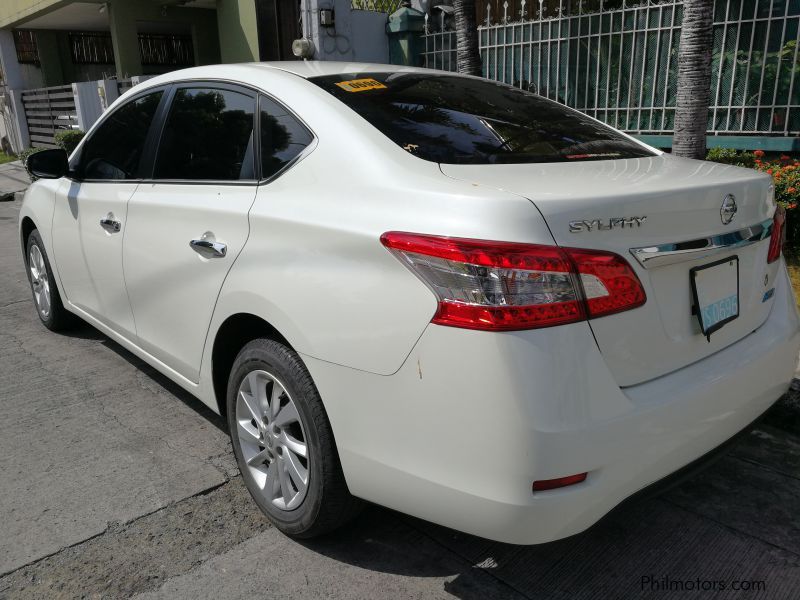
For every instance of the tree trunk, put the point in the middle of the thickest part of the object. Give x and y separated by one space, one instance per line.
468 57
694 79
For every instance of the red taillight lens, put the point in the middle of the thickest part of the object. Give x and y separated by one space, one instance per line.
609 283
778 237
505 286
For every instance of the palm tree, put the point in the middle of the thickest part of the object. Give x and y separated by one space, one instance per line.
694 79
468 57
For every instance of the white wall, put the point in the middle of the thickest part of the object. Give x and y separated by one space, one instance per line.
93 72
31 76
357 35
370 43
15 127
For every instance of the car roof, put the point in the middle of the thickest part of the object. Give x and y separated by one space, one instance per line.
259 73
245 72
315 68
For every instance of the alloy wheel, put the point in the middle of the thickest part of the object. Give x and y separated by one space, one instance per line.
272 440
39 281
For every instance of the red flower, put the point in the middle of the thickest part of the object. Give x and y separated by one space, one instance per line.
785 158
758 153
769 171
791 190
792 206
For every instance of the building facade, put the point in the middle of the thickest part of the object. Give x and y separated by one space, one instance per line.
63 61
52 49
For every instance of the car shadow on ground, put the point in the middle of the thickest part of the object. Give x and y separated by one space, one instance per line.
84 331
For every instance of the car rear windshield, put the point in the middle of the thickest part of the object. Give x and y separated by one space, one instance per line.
459 120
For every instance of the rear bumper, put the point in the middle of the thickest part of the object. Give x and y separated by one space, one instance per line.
460 432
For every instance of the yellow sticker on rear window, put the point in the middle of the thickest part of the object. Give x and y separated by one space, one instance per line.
361 85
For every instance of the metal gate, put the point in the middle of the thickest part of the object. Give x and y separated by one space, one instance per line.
47 111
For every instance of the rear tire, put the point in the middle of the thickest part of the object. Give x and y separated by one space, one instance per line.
284 444
46 298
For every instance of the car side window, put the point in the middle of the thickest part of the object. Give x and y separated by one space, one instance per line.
115 148
283 137
208 135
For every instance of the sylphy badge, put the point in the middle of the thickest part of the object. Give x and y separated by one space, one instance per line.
606 224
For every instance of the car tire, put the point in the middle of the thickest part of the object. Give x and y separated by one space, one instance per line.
269 451
46 298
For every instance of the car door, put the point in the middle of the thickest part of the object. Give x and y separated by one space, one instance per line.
187 224
89 221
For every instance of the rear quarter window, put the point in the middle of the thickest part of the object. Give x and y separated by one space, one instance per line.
460 120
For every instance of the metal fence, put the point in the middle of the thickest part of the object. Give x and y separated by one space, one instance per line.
617 60
47 111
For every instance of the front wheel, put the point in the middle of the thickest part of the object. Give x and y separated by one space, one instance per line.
283 442
43 286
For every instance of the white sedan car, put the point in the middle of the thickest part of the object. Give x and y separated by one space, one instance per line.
433 292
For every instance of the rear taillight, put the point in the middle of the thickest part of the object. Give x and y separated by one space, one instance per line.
504 286
609 284
778 237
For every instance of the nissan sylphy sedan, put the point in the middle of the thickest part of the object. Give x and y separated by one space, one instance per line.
433 292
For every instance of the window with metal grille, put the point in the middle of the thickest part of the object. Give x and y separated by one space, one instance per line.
96 48
166 49
91 48
25 43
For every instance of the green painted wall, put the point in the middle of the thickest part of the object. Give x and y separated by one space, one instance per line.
122 17
238 36
204 35
739 142
65 52
13 11
50 57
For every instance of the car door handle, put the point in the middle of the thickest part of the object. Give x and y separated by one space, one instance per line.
110 224
216 249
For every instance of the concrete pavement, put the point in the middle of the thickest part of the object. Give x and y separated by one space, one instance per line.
13 178
114 483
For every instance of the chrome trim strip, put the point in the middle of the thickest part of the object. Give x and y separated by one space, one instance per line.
676 252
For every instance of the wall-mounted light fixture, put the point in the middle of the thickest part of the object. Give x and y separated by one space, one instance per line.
303 48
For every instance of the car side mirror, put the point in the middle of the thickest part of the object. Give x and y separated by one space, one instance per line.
48 164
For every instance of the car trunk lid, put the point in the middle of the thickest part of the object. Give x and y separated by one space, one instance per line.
654 204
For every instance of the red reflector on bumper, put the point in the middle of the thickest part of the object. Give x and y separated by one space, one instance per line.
551 484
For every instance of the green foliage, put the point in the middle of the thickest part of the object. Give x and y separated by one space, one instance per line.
69 139
387 6
23 156
767 74
731 156
785 173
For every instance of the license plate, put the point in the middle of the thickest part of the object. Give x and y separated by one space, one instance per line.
715 288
